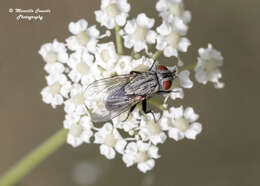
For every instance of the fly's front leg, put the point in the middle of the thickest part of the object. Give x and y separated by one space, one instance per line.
144 107
152 66
167 93
129 112
162 92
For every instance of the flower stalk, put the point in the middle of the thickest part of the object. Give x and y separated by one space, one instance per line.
157 104
187 67
37 156
157 54
119 43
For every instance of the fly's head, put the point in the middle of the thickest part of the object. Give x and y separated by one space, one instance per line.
165 76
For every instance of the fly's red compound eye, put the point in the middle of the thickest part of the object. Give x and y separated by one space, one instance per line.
167 84
161 68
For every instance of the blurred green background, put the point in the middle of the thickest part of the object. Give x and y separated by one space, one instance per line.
227 152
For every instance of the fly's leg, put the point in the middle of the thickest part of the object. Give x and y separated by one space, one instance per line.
144 107
135 72
165 92
152 66
130 111
162 92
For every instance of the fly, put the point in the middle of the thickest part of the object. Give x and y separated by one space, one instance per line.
110 97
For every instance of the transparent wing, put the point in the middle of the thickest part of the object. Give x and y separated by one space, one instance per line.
107 99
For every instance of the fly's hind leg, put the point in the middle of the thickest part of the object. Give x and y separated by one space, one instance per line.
144 107
135 72
129 112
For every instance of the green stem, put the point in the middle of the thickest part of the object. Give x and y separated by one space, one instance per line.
157 54
119 43
133 53
187 67
29 162
156 103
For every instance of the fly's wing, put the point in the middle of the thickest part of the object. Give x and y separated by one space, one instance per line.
107 99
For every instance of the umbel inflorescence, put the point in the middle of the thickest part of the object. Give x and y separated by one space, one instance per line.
72 66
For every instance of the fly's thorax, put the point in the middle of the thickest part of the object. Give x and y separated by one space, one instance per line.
143 84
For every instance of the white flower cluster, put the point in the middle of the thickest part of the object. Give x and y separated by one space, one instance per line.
72 66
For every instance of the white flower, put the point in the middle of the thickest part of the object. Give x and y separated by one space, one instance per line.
79 129
73 66
139 33
207 68
175 94
112 13
141 153
123 65
83 68
106 58
54 54
57 89
110 140
182 81
76 102
151 130
83 36
181 123
130 124
172 11
170 41
142 64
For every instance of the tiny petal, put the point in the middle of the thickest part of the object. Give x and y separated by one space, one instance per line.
107 151
184 44
193 131
120 145
77 27
185 81
146 166
190 115
176 134
177 112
